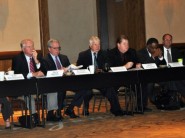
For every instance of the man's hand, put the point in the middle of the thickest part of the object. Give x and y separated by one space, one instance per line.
65 69
38 74
34 52
157 53
129 65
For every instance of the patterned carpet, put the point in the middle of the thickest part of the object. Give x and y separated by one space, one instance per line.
156 124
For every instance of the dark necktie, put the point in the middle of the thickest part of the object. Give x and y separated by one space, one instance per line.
95 61
57 63
32 69
122 57
169 57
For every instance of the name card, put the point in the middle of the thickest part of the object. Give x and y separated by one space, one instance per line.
14 77
118 69
175 64
55 73
81 71
149 66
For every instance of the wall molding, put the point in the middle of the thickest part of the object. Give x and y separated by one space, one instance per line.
10 54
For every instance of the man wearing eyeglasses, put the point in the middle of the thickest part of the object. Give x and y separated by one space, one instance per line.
56 61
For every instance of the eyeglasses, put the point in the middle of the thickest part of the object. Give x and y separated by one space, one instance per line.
56 48
167 40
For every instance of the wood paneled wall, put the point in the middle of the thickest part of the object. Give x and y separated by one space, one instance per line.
126 17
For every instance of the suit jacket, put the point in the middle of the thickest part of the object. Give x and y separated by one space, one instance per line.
85 59
115 58
49 64
144 57
20 65
175 53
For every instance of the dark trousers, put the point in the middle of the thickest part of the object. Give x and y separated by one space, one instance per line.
80 97
109 93
6 108
149 93
112 96
61 96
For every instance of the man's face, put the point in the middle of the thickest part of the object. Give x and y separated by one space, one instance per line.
167 41
123 46
28 47
152 47
95 47
54 49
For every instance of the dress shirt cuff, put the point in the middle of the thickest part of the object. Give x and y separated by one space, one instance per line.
29 75
38 65
161 58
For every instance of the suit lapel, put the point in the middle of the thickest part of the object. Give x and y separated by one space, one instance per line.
52 62
89 57
25 63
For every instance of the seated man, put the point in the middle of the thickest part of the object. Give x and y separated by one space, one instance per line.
95 56
122 55
150 54
6 109
27 63
56 61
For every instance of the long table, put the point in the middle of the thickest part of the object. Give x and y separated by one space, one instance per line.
41 86
161 75
102 80
18 87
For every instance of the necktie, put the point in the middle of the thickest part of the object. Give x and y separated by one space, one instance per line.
57 63
32 69
169 57
95 61
122 57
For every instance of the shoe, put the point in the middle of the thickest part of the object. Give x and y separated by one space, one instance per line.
71 113
146 109
117 113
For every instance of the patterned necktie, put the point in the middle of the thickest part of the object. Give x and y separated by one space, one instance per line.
95 61
169 57
57 63
32 69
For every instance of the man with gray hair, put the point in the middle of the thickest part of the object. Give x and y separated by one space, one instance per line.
56 61
28 64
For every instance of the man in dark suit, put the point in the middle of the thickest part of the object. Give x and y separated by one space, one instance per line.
122 55
95 56
56 61
150 54
27 63
173 56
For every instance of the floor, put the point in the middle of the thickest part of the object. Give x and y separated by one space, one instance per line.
155 124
